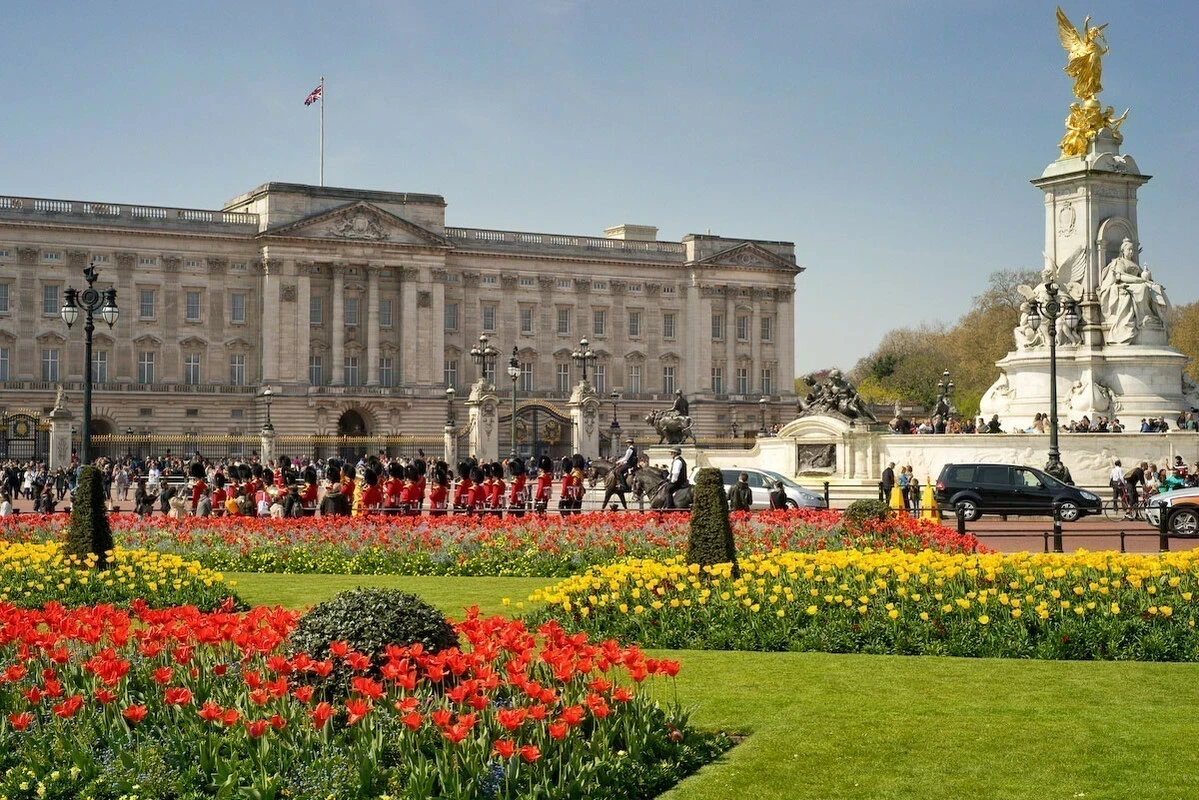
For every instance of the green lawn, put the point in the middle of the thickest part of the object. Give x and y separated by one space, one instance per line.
828 727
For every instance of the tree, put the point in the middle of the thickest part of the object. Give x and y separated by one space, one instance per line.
1184 335
711 536
89 532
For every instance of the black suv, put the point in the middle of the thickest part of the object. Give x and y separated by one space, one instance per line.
1007 489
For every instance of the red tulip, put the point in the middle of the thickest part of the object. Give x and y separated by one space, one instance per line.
162 676
20 721
321 715
210 712
135 713
356 709
177 696
256 727
530 753
504 748
558 730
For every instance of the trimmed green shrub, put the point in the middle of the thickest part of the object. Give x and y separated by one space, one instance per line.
370 619
860 511
89 531
711 537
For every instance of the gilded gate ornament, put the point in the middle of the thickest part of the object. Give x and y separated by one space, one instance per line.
1084 63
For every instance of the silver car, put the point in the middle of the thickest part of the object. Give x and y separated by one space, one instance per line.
761 481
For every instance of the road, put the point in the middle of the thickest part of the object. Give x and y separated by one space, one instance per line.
1090 533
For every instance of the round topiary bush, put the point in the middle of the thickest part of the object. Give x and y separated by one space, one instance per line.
370 619
89 531
860 511
711 537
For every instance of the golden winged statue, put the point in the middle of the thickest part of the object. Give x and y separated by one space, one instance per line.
1085 53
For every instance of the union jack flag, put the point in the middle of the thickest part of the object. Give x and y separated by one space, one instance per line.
313 96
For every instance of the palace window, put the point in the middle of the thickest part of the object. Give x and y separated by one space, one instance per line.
668 325
145 367
386 372
634 323
316 371
667 290
668 380
490 280
526 320
601 378
50 305
191 369
489 372
3 298
191 311
3 363
451 316
564 283
717 380
563 382
564 321
525 382
489 318
193 263
599 285
145 305
237 307
100 367
316 310
52 256
385 313
237 370
350 370
451 373
768 329
147 262
718 326
767 381
528 281
634 384
599 323
50 364
742 328
351 311
742 380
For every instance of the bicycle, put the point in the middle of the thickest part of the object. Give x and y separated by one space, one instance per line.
1121 506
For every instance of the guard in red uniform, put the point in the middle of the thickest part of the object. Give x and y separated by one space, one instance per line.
438 493
478 490
517 494
495 497
372 498
393 486
309 492
462 489
545 484
566 491
418 491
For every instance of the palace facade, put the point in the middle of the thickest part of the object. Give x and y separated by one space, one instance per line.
358 308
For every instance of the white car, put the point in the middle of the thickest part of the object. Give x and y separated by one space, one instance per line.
761 481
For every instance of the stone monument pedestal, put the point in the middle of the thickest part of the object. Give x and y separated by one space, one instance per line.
584 420
451 447
60 438
483 406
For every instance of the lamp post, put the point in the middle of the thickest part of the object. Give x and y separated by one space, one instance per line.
762 413
484 354
582 355
513 373
733 423
267 394
1052 311
91 300
449 406
945 389
614 432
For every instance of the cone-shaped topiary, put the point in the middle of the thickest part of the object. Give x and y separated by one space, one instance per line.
711 538
89 531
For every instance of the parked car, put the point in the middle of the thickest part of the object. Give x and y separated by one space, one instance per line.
1009 489
761 481
1181 508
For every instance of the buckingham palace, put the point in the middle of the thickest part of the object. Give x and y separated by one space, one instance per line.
359 308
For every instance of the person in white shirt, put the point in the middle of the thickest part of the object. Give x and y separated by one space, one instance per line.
5 505
1116 481
678 476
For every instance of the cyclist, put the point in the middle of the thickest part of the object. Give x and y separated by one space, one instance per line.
1134 477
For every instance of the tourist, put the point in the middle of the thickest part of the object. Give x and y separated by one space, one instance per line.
913 491
778 497
902 482
993 425
741 497
143 499
1135 477
335 502
887 483
203 506
1116 480
5 505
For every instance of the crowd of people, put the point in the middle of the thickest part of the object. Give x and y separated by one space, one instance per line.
1136 485
1040 424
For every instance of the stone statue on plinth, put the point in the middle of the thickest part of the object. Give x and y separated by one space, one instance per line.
673 425
1131 301
834 395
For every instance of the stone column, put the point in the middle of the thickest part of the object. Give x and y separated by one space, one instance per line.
451 447
784 337
269 328
339 324
267 441
730 339
584 420
372 324
60 438
755 342
409 352
437 330
303 324
483 406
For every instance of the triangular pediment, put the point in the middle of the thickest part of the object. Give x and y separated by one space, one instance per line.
749 256
359 222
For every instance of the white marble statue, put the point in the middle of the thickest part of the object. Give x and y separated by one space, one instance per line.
1130 300
1029 337
998 398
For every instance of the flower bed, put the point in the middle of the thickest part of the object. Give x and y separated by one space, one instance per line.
530 546
32 574
97 702
1077 606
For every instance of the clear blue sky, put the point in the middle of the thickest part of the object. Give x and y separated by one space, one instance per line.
891 141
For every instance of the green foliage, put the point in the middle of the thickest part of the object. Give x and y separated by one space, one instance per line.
369 619
860 511
711 538
1184 334
89 531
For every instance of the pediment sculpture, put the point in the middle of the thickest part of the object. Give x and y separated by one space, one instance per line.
359 224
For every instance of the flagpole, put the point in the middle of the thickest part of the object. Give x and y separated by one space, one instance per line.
322 130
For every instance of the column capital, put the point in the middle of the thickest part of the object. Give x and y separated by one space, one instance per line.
217 264
269 265
410 273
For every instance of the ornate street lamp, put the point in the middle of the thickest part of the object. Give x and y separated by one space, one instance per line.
91 300
513 373
267 394
449 406
614 433
484 354
582 355
762 413
1053 310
